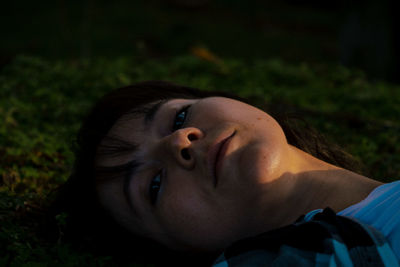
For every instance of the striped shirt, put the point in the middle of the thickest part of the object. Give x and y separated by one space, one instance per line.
321 238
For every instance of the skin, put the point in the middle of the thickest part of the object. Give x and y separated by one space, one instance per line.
264 183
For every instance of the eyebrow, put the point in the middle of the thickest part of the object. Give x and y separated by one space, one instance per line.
151 113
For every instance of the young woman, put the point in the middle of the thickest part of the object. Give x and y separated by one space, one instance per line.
204 173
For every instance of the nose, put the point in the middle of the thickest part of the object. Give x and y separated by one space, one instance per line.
181 145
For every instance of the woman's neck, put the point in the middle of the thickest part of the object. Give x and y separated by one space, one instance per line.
314 184
326 185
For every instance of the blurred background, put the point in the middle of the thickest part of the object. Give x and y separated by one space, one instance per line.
357 34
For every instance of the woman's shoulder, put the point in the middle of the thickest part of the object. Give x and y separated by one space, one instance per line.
386 196
324 238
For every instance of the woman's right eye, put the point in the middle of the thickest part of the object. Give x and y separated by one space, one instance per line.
180 118
155 186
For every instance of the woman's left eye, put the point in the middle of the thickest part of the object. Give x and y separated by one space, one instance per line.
180 118
155 186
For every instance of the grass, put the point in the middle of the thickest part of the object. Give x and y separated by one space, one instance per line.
42 103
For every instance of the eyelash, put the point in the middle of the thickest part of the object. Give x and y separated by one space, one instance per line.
155 183
155 188
178 116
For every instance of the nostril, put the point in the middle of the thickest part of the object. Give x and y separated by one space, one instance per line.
185 154
191 137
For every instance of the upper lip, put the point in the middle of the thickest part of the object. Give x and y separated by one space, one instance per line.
213 153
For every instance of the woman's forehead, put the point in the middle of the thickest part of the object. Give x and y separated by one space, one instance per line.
129 131
126 133
120 142
125 127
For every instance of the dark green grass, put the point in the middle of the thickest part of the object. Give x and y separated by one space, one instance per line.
42 104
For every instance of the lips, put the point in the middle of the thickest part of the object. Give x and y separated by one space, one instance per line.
216 155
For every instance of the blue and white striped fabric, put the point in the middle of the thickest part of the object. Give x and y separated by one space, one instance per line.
381 210
320 239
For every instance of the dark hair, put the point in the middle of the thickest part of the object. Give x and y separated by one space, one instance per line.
89 225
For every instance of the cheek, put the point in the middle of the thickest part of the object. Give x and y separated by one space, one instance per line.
182 210
260 164
194 221
264 151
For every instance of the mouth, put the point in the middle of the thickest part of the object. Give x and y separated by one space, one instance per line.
217 154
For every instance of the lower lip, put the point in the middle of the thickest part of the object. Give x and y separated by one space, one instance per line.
221 156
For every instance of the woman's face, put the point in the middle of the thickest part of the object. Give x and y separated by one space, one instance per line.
205 162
